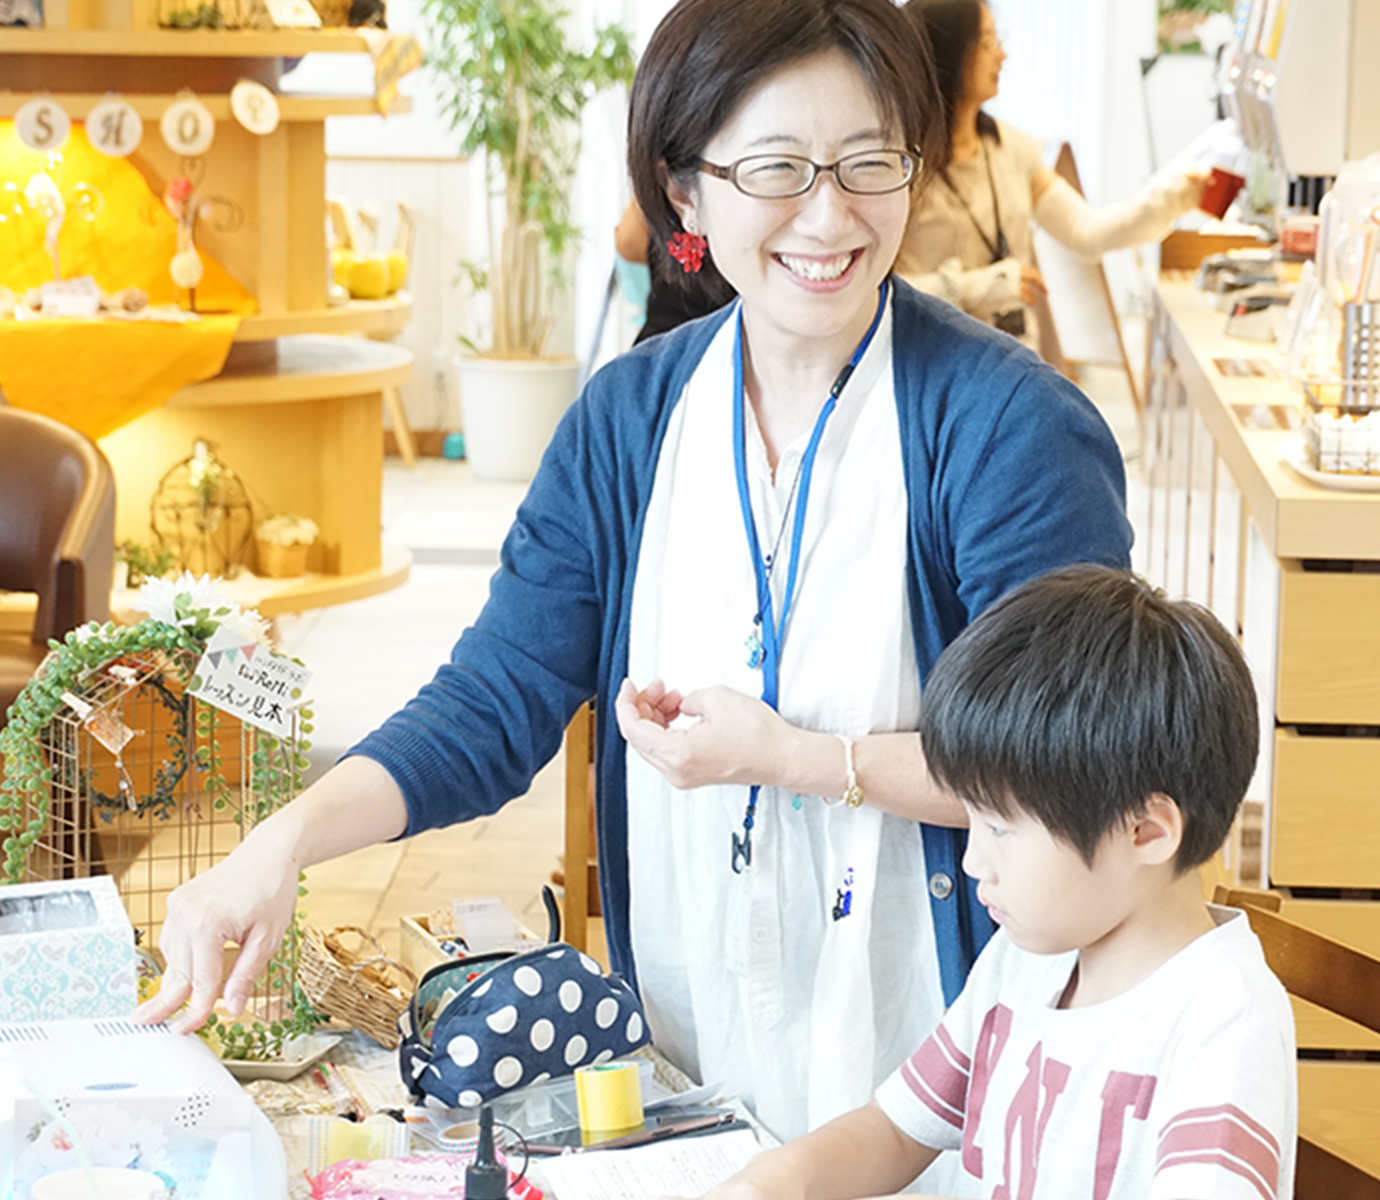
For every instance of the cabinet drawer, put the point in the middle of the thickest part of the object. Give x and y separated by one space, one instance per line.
1329 648
1339 1109
1357 923
1325 812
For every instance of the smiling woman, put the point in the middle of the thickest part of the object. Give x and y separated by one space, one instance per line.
773 519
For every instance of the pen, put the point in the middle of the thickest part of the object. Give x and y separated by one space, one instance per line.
643 1136
347 1103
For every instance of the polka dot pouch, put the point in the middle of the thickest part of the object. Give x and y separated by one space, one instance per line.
482 1026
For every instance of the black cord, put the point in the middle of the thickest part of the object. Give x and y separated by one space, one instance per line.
526 1154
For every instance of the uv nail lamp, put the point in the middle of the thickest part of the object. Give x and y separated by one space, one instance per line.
139 1096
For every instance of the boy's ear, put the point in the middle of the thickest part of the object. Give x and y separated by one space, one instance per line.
1157 831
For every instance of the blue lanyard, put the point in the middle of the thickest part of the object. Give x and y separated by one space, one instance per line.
773 633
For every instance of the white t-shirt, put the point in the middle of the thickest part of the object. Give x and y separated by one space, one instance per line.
752 980
1182 1088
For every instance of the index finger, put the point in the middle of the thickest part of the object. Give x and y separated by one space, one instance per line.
208 964
158 1008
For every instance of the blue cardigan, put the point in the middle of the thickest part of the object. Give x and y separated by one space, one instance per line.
1009 470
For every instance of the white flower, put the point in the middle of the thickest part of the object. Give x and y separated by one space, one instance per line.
248 624
191 600
286 530
158 597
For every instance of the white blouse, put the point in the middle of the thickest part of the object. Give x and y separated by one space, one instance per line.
801 983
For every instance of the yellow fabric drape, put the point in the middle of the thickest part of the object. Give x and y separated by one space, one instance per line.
97 375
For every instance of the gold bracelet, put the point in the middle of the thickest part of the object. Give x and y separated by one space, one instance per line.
853 793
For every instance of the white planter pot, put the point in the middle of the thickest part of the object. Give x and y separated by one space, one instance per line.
510 410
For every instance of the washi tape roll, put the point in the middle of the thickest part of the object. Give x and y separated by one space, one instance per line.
609 1096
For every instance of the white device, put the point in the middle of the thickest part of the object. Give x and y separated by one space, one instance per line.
141 1073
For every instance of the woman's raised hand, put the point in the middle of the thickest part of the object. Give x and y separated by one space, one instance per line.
731 737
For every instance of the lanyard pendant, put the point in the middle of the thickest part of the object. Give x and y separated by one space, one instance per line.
754 648
742 851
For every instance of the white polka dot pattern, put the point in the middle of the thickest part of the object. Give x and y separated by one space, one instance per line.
503 1020
575 1051
463 1050
529 1018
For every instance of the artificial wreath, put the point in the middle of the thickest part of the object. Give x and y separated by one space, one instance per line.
183 615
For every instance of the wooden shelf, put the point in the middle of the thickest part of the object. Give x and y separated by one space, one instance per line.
372 318
182 43
270 597
305 367
151 105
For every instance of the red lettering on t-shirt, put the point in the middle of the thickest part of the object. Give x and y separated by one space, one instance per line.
1029 1113
991 1040
1121 1091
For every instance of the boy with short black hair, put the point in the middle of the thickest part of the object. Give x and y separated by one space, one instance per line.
1118 1038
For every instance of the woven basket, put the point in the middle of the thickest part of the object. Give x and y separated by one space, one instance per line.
367 991
332 12
282 562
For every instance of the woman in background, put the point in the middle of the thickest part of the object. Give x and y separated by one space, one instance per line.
969 239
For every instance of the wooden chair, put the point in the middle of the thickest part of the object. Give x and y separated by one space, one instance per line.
583 924
1339 1101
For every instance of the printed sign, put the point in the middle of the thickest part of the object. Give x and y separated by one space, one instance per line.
114 128
188 127
249 681
43 125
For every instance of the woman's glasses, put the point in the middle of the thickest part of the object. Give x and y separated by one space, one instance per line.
780 176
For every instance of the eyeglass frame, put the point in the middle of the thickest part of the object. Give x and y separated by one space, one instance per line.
730 172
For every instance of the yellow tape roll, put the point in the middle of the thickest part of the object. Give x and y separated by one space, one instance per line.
609 1097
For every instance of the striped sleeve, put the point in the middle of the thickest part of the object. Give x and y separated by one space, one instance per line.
1217 1139
927 1097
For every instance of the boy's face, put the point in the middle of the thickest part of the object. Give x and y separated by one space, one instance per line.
1039 889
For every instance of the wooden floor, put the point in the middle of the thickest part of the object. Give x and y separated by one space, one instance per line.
368 658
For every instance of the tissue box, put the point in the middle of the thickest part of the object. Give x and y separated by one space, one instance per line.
66 951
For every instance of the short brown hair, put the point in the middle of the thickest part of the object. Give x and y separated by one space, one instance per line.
707 55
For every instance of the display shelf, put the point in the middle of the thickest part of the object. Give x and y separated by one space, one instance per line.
304 367
182 43
151 105
371 318
297 410
269 597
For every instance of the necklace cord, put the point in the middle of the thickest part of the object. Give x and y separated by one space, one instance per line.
773 634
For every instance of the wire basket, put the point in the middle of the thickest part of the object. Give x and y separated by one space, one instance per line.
367 991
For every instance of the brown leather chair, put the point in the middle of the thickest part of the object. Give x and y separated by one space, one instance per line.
57 536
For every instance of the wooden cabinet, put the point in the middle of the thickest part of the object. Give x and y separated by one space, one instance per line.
297 410
1294 569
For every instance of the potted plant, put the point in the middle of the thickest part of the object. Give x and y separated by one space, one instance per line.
284 541
511 84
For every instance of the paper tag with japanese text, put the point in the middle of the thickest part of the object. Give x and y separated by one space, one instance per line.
249 681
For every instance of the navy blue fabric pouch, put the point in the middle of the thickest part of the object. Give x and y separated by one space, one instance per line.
482 1026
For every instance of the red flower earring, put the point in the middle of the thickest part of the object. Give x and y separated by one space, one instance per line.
688 250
